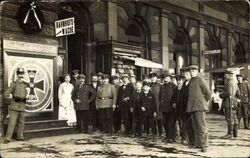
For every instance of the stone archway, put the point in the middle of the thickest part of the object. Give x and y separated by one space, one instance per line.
182 51
79 46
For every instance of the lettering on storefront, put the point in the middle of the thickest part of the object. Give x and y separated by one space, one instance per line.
215 51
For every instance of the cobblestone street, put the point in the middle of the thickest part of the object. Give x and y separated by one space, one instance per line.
98 145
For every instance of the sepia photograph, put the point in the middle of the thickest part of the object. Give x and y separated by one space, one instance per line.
124 78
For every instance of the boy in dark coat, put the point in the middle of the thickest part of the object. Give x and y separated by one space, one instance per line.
148 107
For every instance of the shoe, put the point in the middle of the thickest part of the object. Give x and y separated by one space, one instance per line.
228 136
185 142
20 139
204 149
6 141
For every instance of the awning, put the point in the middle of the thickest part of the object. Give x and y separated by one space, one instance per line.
144 62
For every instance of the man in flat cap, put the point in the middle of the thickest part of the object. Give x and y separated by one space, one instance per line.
99 78
166 98
198 97
117 111
17 92
106 103
244 101
125 103
155 87
82 95
229 96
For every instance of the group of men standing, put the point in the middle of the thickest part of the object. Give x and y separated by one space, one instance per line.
153 104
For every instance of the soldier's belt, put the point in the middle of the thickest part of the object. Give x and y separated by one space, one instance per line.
18 99
102 98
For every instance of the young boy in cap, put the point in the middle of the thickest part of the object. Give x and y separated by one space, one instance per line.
148 107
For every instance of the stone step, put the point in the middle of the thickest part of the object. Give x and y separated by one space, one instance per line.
48 132
44 124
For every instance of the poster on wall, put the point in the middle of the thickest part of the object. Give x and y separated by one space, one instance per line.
38 75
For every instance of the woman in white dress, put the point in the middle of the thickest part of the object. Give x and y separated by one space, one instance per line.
66 106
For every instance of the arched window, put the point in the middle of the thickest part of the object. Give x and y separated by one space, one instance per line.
240 54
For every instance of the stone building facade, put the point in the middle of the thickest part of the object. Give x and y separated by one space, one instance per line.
172 33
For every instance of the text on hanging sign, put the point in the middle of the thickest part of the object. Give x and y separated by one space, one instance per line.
65 27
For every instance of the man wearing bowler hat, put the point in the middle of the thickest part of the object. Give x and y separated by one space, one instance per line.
82 95
166 98
17 92
244 101
198 97
125 103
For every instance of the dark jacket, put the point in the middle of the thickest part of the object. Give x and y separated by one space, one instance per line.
125 96
166 97
86 94
92 103
198 95
156 90
149 103
244 92
137 102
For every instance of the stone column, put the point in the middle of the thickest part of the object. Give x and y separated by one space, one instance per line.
229 48
112 20
202 45
164 39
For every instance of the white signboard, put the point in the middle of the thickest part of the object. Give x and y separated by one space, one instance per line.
65 27
215 51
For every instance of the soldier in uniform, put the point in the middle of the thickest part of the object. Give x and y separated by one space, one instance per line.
99 78
94 117
244 101
166 97
156 89
198 97
81 99
18 93
125 103
148 107
106 102
229 96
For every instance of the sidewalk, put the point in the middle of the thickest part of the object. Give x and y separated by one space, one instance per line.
97 145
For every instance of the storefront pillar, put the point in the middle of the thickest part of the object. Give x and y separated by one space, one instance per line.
112 20
229 48
164 39
202 45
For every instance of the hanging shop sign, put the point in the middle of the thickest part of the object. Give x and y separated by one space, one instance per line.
65 27
215 51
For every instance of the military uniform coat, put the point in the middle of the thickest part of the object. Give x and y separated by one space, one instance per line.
106 96
18 90
83 94
166 97
198 95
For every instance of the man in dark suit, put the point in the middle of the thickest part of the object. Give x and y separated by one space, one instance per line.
93 111
137 109
81 98
125 101
198 97
166 97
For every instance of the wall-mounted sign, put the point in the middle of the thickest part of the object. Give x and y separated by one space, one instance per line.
215 51
65 27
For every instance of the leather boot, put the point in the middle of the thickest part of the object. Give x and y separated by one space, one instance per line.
245 120
235 131
229 132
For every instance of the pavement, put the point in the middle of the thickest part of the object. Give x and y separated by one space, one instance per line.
98 145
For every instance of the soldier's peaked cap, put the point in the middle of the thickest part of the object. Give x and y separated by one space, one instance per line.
153 74
239 75
81 76
229 72
105 76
